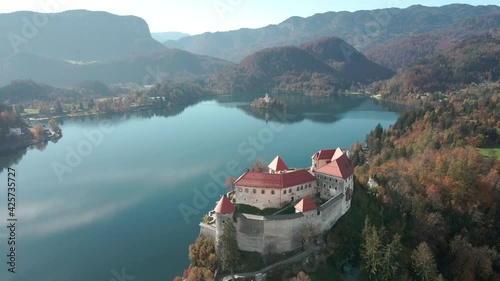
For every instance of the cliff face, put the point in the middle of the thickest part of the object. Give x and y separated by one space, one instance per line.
75 35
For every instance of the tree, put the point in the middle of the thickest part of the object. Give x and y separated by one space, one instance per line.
424 264
390 259
54 126
371 250
301 276
258 165
58 107
38 131
381 257
230 255
229 183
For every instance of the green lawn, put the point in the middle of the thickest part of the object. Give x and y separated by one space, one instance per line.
30 111
247 209
494 151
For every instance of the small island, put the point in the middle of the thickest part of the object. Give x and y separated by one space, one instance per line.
268 103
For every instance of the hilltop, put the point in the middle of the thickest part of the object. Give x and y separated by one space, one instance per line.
474 60
318 67
362 29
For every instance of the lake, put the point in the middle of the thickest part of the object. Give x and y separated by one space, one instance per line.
106 199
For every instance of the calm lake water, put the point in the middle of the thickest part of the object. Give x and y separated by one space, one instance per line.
115 206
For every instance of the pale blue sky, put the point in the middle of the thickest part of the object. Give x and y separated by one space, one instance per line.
198 16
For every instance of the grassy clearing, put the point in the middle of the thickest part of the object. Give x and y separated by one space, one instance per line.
494 151
247 209
31 111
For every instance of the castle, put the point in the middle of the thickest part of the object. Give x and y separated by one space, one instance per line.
320 195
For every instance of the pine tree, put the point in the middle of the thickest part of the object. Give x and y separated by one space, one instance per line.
230 255
424 264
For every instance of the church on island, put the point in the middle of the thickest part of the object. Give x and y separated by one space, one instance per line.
296 203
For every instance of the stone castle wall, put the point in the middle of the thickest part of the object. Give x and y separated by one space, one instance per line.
282 233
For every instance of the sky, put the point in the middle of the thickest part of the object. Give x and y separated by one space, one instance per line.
198 16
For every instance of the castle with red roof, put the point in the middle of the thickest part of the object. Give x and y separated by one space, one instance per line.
320 195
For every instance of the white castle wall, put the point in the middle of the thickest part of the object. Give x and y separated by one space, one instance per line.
273 197
282 233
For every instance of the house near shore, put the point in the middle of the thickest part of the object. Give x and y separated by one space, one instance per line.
15 132
320 195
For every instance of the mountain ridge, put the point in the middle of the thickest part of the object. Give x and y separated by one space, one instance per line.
353 27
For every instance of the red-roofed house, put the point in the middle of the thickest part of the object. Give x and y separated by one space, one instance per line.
305 205
277 166
335 177
266 190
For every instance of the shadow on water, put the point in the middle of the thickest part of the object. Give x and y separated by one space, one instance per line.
301 107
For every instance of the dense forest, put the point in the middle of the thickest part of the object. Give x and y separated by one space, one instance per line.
438 194
473 60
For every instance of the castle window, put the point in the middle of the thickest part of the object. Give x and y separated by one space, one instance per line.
290 190
246 190
263 191
309 185
254 191
297 188
272 192
284 191
324 185
301 187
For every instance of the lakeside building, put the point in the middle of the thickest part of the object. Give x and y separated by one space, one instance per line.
320 195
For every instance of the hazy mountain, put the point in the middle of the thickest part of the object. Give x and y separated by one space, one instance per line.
75 35
362 29
404 51
164 36
473 60
151 68
22 90
319 67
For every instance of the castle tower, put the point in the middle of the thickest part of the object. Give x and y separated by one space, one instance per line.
277 166
224 212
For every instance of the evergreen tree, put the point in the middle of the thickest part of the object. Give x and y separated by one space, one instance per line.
424 264
230 255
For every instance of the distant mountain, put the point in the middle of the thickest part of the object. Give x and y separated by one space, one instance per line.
164 36
151 68
75 35
23 90
404 51
362 29
319 67
473 60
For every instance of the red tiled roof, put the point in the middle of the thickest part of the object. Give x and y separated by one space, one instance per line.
338 154
224 206
305 205
255 179
278 165
341 167
323 154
